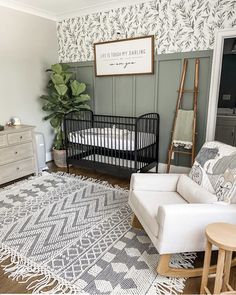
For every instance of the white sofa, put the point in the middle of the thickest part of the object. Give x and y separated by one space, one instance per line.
174 210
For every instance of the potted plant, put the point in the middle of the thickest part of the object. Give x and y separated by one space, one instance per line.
65 95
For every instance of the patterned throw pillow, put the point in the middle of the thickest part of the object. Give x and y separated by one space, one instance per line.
215 170
226 187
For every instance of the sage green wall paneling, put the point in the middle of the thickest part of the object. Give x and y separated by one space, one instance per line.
123 95
104 96
204 83
204 80
168 83
180 159
145 94
136 95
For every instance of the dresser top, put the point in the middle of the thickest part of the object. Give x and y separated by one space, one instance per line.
13 129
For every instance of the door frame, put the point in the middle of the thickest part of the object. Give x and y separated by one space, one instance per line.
215 79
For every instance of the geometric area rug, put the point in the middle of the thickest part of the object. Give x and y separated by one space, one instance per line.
67 234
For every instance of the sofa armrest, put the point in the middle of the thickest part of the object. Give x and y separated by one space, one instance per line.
154 182
182 226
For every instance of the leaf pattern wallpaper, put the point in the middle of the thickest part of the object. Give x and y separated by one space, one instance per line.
178 26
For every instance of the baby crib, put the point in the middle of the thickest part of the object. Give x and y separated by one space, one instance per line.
117 145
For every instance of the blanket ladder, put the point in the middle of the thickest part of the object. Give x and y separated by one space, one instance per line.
181 116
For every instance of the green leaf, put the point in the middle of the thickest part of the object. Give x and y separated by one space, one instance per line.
77 88
82 98
57 79
58 141
46 107
57 144
55 122
61 89
67 77
45 97
57 68
85 107
48 117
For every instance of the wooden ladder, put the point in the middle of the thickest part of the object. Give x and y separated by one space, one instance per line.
181 92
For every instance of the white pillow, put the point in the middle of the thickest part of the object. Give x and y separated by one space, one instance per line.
194 193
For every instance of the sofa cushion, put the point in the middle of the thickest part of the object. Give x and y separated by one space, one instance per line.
193 192
146 205
215 170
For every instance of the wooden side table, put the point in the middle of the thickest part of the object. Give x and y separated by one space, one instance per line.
223 236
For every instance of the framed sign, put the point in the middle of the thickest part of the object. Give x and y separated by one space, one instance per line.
133 56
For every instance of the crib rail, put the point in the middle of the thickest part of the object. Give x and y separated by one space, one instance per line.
117 144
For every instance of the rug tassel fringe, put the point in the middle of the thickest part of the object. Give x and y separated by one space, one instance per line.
37 278
92 180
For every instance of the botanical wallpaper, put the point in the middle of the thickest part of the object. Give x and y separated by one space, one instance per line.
178 25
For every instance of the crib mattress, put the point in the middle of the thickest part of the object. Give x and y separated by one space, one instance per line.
118 139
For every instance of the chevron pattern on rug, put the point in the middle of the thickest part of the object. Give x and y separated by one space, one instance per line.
75 234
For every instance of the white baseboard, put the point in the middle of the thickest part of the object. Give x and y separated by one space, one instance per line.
48 156
173 169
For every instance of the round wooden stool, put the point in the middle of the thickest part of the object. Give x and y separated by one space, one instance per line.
223 236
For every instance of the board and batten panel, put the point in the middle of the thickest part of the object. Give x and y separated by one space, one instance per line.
170 68
168 83
123 95
145 94
136 95
104 96
203 100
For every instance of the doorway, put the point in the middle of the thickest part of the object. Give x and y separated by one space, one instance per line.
222 99
226 110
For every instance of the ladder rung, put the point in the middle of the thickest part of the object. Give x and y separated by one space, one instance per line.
181 91
180 152
189 91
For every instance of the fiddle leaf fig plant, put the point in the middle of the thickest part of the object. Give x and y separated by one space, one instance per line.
65 95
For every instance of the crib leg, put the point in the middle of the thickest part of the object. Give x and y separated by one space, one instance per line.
68 168
157 168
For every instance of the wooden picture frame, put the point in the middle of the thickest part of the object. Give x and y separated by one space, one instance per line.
132 56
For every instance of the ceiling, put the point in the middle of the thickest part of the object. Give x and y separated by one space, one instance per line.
60 9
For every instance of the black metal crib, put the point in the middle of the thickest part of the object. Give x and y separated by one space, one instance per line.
117 145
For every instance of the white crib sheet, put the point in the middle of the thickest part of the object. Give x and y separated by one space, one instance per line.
119 139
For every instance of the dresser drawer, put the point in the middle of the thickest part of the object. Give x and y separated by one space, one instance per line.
16 170
15 153
3 140
15 138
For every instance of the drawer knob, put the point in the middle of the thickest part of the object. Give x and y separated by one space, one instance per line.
18 168
21 137
16 153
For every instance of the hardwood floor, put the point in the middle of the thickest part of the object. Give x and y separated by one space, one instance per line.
192 285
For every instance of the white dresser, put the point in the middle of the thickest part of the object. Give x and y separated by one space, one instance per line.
17 153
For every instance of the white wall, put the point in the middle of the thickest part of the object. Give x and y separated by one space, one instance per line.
28 46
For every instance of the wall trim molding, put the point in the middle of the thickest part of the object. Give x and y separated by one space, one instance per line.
215 80
105 6
161 166
28 9
101 7
173 169
49 157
